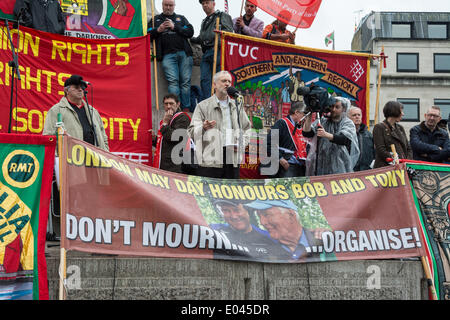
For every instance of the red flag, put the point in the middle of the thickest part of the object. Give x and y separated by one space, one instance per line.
7 6
297 13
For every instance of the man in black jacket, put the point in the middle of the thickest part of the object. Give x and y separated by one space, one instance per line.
428 141
365 140
171 133
206 39
291 144
44 15
171 33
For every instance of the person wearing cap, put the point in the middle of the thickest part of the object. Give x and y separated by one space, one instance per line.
206 39
428 141
291 144
241 232
248 24
80 120
337 143
281 220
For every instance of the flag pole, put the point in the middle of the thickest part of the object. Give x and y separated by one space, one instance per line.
63 255
216 45
242 7
334 40
155 63
425 264
377 104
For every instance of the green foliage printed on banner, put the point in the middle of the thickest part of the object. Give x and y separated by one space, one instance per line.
309 210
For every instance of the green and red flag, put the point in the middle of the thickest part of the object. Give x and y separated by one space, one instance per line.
105 19
25 190
431 188
329 39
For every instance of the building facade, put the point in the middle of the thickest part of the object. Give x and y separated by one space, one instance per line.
417 73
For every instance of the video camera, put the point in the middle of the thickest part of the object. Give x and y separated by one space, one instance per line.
317 99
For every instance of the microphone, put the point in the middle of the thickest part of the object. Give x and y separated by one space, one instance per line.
86 83
233 92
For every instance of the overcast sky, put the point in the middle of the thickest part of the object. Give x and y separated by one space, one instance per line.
337 15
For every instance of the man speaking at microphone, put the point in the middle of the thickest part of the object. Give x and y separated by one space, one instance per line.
217 127
80 120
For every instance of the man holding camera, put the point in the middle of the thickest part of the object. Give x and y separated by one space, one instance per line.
171 33
337 144
292 145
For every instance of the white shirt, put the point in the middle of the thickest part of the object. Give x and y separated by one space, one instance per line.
227 127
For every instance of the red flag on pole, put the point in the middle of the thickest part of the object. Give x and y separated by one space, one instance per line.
297 13
7 6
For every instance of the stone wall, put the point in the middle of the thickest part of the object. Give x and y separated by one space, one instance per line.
102 277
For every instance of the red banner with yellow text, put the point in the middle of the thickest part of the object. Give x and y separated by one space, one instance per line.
118 71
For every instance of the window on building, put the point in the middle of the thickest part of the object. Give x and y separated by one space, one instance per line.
444 104
407 62
401 30
437 31
411 109
442 62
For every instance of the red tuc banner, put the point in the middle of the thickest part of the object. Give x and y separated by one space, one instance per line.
115 206
269 72
118 72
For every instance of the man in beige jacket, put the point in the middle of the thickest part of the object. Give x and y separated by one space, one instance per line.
81 120
216 127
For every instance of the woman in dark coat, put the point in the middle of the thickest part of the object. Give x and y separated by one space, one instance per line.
390 132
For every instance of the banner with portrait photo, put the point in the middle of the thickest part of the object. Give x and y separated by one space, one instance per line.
97 19
143 211
25 189
118 71
269 74
105 19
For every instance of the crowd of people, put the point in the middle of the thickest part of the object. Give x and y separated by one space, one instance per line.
217 129
211 140
174 36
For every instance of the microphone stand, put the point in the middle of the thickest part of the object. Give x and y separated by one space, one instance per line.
91 117
239 104
14 64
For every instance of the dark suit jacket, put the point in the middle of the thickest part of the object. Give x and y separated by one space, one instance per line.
181 122
384 135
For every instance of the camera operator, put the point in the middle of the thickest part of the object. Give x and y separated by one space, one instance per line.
337 144
292 145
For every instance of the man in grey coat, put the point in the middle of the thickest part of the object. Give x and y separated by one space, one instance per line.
220 132
81 121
